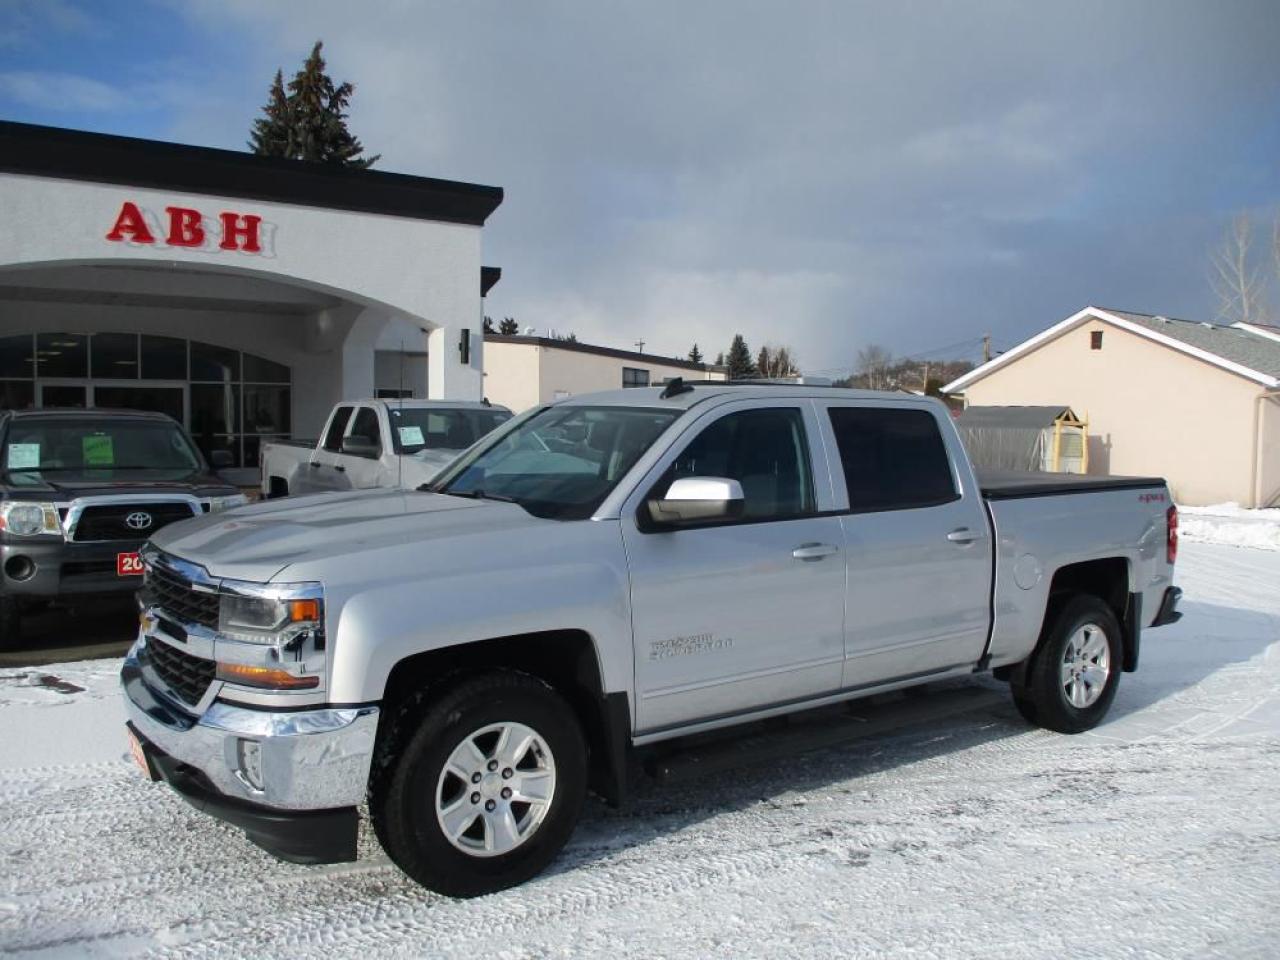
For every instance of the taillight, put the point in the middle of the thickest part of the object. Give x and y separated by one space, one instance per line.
1171 535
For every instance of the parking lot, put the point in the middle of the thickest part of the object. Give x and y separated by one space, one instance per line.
956 832
89 631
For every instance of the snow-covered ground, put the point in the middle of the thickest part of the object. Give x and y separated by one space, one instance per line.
962 834
1230 523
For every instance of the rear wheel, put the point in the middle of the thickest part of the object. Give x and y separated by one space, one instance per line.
486 790
279 488
1071 679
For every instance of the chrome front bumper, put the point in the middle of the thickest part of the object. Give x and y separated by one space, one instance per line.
307 759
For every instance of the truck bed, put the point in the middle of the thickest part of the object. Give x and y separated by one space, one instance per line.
1014 484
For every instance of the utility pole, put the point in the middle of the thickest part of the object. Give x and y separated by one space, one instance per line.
640 346
924 384
986 348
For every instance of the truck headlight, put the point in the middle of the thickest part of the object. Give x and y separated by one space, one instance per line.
29 519
268 619
218 504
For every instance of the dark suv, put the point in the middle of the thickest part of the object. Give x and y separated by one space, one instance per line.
81 491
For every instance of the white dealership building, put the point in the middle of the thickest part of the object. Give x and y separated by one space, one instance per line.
243 295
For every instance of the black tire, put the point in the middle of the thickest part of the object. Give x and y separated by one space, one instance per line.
1040 691
403 790
10 623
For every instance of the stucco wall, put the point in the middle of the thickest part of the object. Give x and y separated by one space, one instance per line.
520 375
1151 410
427 269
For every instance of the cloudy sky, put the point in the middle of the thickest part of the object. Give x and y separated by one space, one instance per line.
825 175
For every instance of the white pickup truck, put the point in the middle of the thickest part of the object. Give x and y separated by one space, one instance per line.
603 574
377 443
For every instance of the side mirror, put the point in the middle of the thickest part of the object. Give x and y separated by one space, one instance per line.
361 447
698 500
221 459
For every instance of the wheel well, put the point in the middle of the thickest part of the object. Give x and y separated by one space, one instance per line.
563 659
279 487
1106 579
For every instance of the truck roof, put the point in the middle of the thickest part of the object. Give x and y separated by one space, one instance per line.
90 413
699 391
418 404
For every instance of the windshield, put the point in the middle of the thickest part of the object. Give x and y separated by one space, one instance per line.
561 462
96 449
416 429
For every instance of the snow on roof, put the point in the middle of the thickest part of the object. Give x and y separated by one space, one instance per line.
1250 353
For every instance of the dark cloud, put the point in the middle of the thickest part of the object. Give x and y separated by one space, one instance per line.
824 174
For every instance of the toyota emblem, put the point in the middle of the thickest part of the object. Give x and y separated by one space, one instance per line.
138 520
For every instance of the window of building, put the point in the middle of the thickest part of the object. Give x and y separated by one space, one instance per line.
1095 340
765 451
635 377
892 459
228 400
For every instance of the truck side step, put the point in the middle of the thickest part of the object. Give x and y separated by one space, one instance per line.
773 741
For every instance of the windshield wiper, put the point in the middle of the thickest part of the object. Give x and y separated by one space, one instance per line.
479 495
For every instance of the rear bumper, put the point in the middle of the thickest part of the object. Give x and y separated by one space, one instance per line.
64 569
296 799
1168 612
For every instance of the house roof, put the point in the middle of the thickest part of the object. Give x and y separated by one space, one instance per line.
1251 354
1020 418
554 343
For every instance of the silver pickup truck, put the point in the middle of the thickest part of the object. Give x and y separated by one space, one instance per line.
602 574
377 443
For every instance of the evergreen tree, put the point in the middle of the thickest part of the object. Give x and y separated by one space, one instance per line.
741 366
272 135
695 355
310 121
720 359
508 327
488 325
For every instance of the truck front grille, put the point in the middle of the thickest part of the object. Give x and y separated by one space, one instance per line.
173 594
186 675
111 521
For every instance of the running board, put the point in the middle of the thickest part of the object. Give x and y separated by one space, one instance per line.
782 738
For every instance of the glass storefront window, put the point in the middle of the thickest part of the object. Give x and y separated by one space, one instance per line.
113 356
259 370
164 358
15 356
266 409
62 355
216 364
17 394
215 408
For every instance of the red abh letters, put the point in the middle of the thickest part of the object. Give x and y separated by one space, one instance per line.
186 228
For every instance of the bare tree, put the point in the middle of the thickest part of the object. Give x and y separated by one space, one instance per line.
775 362
872 366
1237 282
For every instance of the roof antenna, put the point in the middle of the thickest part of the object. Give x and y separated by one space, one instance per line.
399 420
675 386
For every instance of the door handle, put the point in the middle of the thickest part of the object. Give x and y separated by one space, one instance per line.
814 551
340 468
964 535
313 465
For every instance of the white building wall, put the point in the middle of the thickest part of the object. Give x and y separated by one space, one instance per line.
425 270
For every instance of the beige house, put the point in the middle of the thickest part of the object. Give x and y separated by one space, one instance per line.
1196 403
521 371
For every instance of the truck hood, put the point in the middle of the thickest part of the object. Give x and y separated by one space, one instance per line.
258 542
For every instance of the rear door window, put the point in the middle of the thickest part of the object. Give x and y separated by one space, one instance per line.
366 426
337 427
893 459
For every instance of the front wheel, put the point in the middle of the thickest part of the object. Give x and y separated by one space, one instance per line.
486 790
10 623
1071 679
